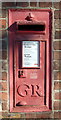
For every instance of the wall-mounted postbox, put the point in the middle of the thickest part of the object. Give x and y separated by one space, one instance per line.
30 60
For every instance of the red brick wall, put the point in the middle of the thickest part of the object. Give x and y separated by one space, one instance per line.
56 60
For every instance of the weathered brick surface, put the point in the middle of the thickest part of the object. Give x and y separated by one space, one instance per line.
0 44
3 96
3 76
2 13
39 115
57 65
2 23
5 114
4 44
57 45
60 5
8 4
16 116
4 65
57 105
57 23
22 4
13 116
57 95
57 75
30 115
57 115
33 4
4 106
57 55
57 34
57 85
57 14
0 34
3 86
3 34
56 5
3 54
45 4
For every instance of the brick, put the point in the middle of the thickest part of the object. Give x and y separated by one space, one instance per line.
4 44
16 116
0 44
0 106
3 96
12 116
3 86
0 5
56 5
0 13
3 54
57 45
0 34
57 34
57 105
3 13
44 115
57 85
57 55
57 95
1 117
45 4
57 14
2 24
3 34
57 115
5 115
33 4
60 5
57 23
57 75
57 65
0 54
39 115
8 4
22 4
4 76
4 106
0 75
4 65
30 115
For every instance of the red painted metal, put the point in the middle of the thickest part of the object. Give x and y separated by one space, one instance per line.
30 87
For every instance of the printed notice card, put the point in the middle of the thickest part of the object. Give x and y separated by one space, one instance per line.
30 54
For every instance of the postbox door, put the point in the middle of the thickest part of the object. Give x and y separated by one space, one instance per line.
30 73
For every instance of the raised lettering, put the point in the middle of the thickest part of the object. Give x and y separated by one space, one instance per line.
31 90
22 90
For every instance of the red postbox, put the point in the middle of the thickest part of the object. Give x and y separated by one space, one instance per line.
30 60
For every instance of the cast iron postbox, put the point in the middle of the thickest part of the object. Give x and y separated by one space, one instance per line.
30 60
